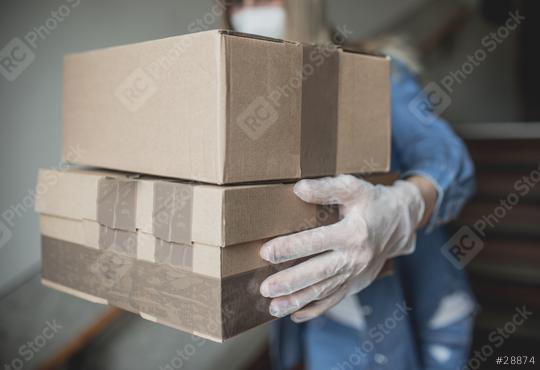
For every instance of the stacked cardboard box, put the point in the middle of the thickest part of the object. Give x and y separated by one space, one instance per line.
222 108
242 114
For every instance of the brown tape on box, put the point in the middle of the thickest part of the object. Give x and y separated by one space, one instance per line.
198 258
119 241
129 243
117 201
319 120
172 211
215 308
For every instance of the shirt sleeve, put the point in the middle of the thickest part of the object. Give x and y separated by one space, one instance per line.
424 144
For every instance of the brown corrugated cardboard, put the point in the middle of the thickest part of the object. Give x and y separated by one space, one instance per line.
221 107
211 293
210 307
178 211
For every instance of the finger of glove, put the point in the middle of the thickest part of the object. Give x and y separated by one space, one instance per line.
330 190
353 286
303 244
285 305
317 308
302 275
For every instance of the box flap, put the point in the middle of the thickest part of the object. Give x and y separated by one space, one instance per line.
253 36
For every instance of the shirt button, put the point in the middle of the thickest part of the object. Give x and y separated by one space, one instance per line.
367 310
380 359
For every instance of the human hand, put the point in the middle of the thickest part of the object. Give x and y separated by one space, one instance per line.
377 222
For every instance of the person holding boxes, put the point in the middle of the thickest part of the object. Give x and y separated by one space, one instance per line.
349 319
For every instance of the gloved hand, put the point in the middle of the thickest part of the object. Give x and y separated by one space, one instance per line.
377 222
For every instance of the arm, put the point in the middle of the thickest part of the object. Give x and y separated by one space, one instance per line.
424 145
429 195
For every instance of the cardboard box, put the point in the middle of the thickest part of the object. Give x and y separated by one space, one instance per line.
223 107
212 292
216 300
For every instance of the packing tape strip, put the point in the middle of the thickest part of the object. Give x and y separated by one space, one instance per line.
218 308
174 254
172 212
319 115
117 203
119 241
141 246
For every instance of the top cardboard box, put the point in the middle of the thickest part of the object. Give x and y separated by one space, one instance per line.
223 107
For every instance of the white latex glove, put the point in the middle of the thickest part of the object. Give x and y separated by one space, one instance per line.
377 222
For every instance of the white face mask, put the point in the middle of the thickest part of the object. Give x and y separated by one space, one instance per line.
266 21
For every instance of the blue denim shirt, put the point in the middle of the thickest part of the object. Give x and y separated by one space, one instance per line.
428 147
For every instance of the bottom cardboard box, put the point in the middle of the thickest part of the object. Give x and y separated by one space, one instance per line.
215 308
210 307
